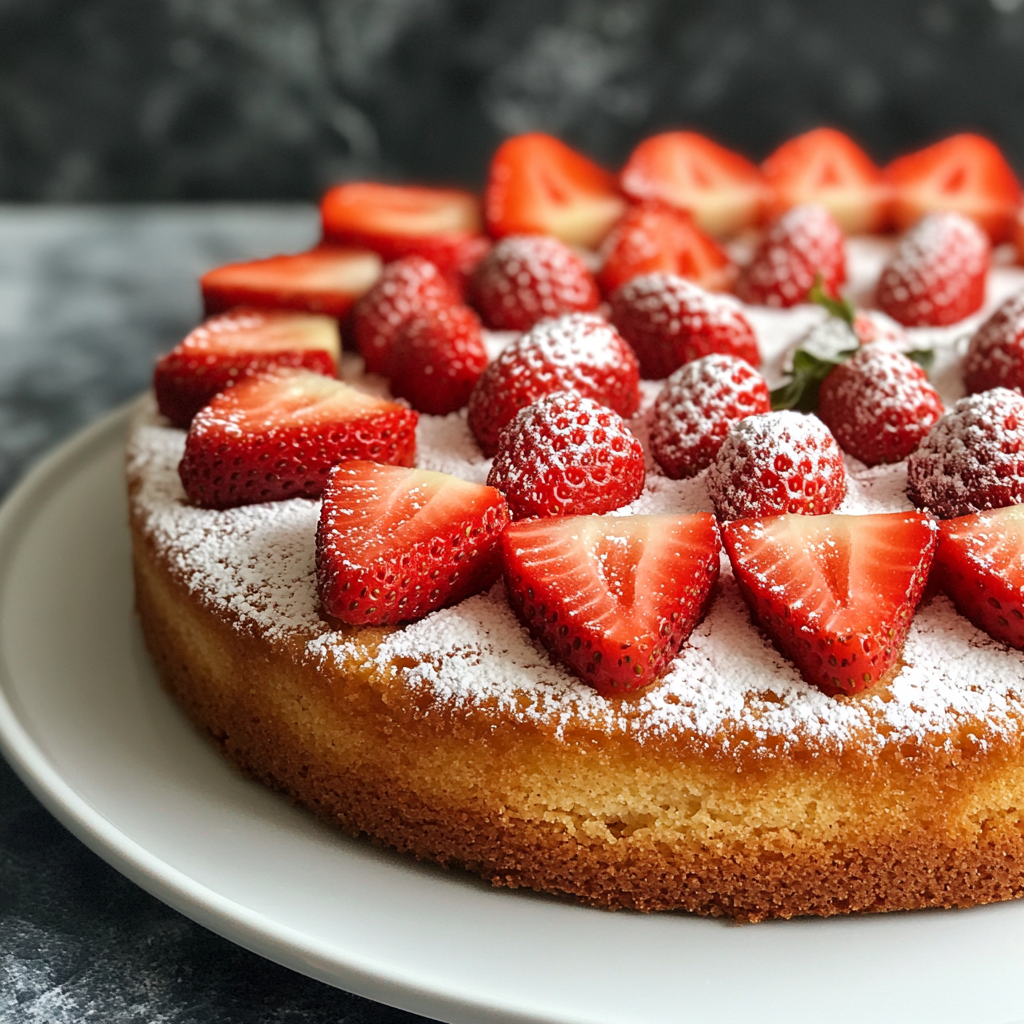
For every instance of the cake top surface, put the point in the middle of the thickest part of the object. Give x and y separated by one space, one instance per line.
727 686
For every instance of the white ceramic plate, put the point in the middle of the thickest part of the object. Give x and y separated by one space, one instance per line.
85 724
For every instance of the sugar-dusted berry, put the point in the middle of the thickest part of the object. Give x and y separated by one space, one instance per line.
995 356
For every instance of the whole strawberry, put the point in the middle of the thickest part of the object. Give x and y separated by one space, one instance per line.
802 244
527 278
579 352
405 287
878 404
567 455
995 356
696 407
669 321
973 457
936 274
436 359
774 463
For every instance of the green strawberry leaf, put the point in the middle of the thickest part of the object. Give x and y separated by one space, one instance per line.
800 392
841 308
924 357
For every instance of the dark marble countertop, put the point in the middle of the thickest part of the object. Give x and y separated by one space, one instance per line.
88 297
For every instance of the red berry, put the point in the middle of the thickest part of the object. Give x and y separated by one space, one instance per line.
777 462
980 565
276 435
936 274
995 356
613 598
836 594
408 286
973 457
226 348
669 321
878 404
394 544
527 278
696 407
580 352
436 359
800 245
567 455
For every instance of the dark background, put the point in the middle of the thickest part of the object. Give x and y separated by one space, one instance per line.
261 99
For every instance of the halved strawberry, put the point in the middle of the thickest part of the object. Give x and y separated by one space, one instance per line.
965 173
724 191
323 280
394 544
980 564
612 598
835 593
276 435
654 237
829 169
219 352
443 225
538 185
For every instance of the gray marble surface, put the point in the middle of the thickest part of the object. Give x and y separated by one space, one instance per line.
88 297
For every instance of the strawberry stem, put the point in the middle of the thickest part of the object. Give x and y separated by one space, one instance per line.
841 308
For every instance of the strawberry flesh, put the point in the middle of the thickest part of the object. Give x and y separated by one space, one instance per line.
835 593
538 185
723 190
980 565
394 544
224 349
612 598
276 435
324 280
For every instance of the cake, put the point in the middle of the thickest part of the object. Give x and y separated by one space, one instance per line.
731 786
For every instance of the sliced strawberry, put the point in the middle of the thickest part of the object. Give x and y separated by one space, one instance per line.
965 173
436 359
980 565
441 224
835 593
539 186
394 544
723 190
323 280
613 598
827 168
219 352
654 237
277 434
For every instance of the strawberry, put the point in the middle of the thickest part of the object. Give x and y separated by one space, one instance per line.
225 348
276 435
973 457
653 237
878 404
613 598
436 359
723 190
777 462
836 594
527 278
442 225
936 274
395 544
696 407
566 455
406 287
827 168
801 245
668 321
995 355
323 280
580 352
980 565
965 173
539 186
